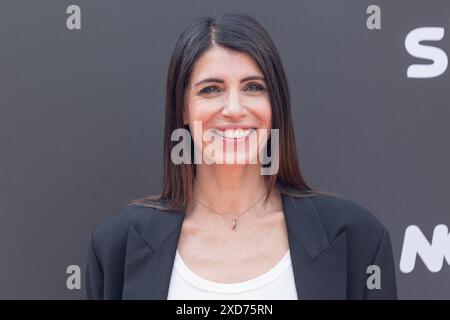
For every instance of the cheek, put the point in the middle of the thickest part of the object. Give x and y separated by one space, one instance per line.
267 114
201 110
263 112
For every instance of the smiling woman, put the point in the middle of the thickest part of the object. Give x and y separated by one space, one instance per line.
225 230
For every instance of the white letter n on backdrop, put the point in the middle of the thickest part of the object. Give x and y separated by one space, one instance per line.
416 244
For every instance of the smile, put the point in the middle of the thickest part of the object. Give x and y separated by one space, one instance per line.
234 134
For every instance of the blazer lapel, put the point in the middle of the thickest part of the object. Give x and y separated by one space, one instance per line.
319 266
150 256
320 269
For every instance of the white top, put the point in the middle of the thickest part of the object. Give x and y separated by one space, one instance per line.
275 284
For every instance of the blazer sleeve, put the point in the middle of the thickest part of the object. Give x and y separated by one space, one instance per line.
94 273
384 259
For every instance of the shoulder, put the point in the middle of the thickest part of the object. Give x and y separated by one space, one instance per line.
110 236
367 243
119 223
344 213
339 215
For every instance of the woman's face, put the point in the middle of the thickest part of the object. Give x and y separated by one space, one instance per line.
227 94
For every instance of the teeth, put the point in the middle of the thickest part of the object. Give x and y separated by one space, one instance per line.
234 134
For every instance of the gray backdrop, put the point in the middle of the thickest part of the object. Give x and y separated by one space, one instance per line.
81 121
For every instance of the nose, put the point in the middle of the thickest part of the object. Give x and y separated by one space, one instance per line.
233 107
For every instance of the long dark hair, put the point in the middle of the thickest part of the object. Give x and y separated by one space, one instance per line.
245 34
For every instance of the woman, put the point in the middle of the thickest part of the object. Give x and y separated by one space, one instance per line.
228 230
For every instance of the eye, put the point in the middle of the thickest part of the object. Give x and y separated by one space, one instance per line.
210 90
255 87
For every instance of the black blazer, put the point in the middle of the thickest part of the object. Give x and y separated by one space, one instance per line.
332 242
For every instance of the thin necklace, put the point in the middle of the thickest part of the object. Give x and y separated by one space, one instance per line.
234 220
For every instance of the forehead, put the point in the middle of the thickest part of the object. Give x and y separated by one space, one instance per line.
225 63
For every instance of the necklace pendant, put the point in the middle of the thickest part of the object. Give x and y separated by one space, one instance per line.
234 225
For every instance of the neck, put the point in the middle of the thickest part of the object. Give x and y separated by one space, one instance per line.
229 189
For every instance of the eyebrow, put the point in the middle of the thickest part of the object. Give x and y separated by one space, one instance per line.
221 80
